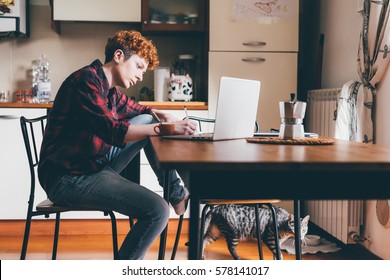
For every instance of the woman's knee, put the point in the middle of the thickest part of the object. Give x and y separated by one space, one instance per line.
154 209
142 119
161 213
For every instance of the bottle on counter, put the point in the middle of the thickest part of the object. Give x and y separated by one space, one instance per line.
35 78
44 84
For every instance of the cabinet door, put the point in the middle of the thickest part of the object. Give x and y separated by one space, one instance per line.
14 169
276 71
97 10
242 32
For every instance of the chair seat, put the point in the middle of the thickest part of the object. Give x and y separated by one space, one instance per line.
48 206
238 201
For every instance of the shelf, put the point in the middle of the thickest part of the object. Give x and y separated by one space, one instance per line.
163 9
165 27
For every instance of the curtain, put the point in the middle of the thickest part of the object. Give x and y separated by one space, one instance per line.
356 106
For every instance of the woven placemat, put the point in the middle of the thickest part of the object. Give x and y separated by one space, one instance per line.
306 141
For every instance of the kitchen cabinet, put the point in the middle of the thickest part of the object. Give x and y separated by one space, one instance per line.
94 11
231 32
97 10
14 169
254 48
15 23
173 15
277 73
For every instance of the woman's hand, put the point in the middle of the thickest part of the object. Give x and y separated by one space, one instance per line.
181 126
186 126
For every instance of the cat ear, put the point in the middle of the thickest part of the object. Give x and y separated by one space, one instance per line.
291 217
306 219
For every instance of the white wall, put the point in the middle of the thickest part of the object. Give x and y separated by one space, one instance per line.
341 25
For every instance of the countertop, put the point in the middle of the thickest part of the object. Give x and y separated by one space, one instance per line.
168 105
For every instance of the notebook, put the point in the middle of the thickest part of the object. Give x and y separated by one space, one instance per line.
235 113
276 134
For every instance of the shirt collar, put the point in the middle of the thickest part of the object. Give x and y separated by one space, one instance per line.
98 66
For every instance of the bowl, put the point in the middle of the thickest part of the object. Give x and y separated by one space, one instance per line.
312 240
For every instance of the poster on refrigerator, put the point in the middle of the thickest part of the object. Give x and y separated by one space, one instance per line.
264 10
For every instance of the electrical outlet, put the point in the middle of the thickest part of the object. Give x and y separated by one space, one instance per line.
360 5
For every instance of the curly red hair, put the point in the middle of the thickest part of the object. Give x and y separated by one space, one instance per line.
132 42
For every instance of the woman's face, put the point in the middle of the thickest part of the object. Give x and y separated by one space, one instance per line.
131 71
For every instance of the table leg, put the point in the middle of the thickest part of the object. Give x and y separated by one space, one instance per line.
194 241
163 236
297 229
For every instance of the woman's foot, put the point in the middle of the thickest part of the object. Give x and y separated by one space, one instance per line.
181 206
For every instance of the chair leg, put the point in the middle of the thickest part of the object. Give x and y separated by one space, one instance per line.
277 246
114 235
177 238
202 225
163 235
56 233
259 247
131 221
26 237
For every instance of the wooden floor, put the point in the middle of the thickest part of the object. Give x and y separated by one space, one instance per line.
95 243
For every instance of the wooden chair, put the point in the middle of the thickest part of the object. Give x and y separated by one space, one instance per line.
210 203
32 130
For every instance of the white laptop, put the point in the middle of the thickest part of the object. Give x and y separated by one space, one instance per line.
235 113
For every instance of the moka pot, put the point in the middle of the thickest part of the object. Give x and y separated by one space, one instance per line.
292 113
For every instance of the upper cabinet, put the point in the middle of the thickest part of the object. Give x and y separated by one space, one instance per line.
97 10
174 15
235 26
14 19
94 11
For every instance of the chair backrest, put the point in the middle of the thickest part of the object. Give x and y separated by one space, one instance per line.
33 130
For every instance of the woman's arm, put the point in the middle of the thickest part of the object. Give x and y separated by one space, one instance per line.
137 132
165 117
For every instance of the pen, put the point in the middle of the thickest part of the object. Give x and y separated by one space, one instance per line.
185 110
155 116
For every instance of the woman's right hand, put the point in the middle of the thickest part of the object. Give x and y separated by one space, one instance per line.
187 127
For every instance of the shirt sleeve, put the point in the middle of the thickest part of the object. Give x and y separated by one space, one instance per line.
128 108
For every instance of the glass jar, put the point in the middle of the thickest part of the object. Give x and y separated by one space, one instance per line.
4 96
18 96
28 96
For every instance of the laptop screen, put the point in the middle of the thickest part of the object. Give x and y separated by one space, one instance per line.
236 108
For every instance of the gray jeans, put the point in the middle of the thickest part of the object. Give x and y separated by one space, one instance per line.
108 189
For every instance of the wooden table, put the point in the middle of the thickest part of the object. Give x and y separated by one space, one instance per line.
236 169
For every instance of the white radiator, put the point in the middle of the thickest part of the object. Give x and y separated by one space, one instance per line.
321 111
337 217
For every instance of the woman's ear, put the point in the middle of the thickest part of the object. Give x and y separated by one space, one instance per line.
117 56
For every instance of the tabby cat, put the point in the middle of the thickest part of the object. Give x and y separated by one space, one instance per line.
238 222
